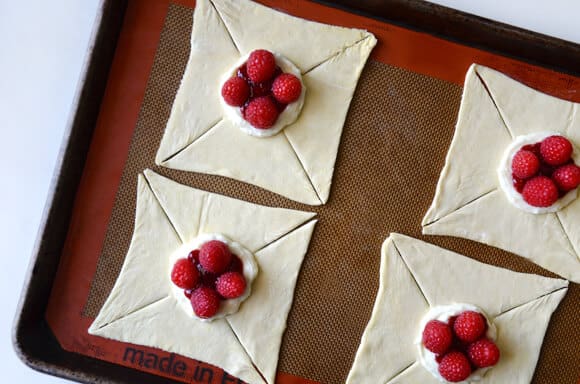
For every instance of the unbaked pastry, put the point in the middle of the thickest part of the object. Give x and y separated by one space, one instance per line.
469 202
142 310
297 163
416 276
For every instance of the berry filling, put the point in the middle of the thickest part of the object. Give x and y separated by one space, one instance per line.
437 336
544 172
460 345
469 326
261 90
208 276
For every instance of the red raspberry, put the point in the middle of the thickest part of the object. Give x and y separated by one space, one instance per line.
243 72
184 274
235 91
534 148
286 88
231 285
483 353
556 150
205 302
193 256
261 65
469 326
518 184
455 367
236 265
567 177
215 256
451 321
525 164
261 112
540 191
437 336
207 278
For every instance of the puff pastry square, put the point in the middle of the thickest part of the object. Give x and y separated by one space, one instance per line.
416 276
141 309
297 163
469 202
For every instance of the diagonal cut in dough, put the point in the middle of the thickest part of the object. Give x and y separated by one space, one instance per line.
479 125
273 161
260 327
468 201
164 324
141 310
193 212
457 279
305 43
516 102
190 117
156 234
389 325
298 162
525 230
329 85
415 276
528 333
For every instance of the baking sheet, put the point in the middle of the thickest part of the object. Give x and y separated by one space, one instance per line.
394 143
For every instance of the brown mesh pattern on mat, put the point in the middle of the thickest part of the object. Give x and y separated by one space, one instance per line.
396 135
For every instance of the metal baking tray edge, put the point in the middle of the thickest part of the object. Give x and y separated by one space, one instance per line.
32 338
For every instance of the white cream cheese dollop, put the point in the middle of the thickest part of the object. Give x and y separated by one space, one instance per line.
227 307
504 173
444 313
289 114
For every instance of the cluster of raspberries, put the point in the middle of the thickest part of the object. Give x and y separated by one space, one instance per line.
209 275
460 345
545 171
261 89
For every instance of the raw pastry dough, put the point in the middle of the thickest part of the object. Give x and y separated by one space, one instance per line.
142 310
297 163
416 276
469 202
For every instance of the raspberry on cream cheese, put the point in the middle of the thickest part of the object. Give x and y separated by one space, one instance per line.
447 314
239 255
288 113
506 176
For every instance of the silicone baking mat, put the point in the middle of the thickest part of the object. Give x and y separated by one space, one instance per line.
397 133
